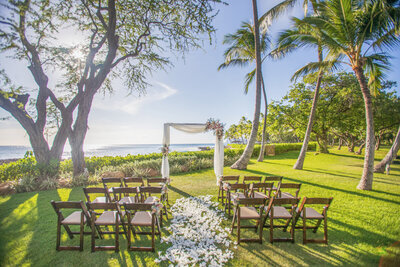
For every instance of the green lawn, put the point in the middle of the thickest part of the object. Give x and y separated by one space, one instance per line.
362 224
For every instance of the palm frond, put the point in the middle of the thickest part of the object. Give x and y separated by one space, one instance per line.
249 78
266 20
375 65
313 67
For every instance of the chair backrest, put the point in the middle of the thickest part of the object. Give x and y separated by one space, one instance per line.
77 205
257 187
102 206
290 186
138 206
136 181
234 187
315 201
110 181
156 180
251 201
125 191
225 178
96 190
151 189
252 178
285 201
273 178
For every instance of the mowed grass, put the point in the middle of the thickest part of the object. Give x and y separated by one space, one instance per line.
362 224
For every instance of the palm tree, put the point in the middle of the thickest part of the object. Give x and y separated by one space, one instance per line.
350 30
242 53
380 167
290 41
303 35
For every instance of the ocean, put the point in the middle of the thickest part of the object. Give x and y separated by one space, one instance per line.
15 152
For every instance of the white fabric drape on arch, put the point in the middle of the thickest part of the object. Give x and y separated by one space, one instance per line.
193 128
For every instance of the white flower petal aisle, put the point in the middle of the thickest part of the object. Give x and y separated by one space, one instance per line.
197 237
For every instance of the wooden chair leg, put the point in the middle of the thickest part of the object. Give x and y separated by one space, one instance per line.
260 233
292 230
117 236
238 227
325 230
233 221
271 229
58 235
317 225
304 229
152 234
81 233
93 233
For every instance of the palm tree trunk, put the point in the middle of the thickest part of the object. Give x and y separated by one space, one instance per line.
300 160
380 167
368 170
264 134
244 159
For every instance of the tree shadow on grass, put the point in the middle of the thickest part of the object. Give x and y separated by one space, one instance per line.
180 192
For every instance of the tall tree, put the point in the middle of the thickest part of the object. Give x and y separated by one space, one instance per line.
380 167
122 39
304 35
351 30
244 159
242 53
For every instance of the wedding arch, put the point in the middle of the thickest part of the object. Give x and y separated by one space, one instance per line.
211 125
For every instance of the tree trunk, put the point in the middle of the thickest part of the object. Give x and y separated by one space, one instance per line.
378 142
244 159
300 160
78 134
368 170
359 151
340 144
380 167
264 134
351 144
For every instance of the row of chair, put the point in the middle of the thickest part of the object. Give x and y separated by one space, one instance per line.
280 209
275 203
129 207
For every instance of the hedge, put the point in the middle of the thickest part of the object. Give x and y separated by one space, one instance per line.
28 167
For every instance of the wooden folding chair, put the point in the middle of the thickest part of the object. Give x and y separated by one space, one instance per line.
111 216
277 179
133 181
79 217
260 190
233 190
250 179
152 194
160 182
248 212
126 194
110 182
95 191
308 213
275 211
229 179
280 194
142 215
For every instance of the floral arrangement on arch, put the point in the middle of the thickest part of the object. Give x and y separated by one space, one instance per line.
216 126
165 150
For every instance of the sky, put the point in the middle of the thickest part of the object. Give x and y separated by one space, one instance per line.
191 91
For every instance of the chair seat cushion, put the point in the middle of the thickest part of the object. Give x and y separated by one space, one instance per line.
141 218
74 218
108 218
127 200
238 194
260 195
150 200
100 200
286 195
249 213
280 212
312 214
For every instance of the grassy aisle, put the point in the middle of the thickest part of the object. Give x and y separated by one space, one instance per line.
362 224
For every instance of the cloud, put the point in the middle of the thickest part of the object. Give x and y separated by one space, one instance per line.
132 104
